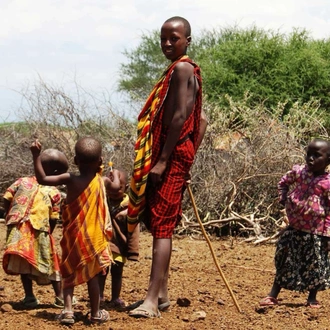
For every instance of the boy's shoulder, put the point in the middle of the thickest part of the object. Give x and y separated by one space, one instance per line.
184 67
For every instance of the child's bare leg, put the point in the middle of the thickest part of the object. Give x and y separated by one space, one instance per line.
271 299
94 295
311 300
159 272
67 295
57 286
275 290
116 279
27 285
102 280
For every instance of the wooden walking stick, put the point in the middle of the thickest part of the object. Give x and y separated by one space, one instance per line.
210 246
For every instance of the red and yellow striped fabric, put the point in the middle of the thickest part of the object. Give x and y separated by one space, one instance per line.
86 234
143 146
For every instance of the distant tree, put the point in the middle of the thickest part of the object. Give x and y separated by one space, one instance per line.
273 67
145 65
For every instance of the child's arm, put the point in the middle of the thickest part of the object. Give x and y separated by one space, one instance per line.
9 194
326 230
112 181
288 179
202 128
122 215
42 178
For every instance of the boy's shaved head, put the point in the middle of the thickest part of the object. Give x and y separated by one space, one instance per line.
54 161
88 150
185 23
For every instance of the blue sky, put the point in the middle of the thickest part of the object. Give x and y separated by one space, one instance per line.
61 41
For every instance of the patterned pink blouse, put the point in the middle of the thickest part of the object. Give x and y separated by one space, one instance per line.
307 200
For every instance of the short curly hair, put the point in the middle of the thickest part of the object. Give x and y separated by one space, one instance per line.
88 150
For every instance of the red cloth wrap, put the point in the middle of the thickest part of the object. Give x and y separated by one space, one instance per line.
163 203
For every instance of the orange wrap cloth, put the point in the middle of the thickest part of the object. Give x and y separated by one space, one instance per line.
148 132
86 234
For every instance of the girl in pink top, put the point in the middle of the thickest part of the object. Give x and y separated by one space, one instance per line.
301 257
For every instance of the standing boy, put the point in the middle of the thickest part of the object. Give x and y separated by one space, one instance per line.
171 127
86 226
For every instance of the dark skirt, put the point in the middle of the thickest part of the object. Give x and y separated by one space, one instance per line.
301 261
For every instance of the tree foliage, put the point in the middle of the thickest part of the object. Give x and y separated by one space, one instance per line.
273 67
145 65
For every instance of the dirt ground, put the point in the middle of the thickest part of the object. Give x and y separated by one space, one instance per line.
247 268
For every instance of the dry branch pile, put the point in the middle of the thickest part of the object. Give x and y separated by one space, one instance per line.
234 178
243 156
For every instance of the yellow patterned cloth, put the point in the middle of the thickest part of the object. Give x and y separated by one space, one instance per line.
86 234
32 202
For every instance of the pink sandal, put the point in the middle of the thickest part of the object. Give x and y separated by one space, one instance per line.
268 301
313 304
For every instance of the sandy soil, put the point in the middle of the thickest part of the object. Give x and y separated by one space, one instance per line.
248 270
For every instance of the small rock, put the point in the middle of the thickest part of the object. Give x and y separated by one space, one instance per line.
200 315
220 302
185 318
183 302
6 308
261 310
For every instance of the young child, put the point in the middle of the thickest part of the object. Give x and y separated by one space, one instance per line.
31 214
301 257
121 248
170 129
86 226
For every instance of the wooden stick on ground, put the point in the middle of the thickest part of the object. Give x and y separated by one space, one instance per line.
210 246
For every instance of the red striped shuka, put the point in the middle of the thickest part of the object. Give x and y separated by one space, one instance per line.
151 137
